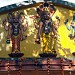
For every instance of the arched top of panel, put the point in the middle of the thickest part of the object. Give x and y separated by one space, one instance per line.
32 3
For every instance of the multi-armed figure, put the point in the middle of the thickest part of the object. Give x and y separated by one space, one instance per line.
46 26
15 29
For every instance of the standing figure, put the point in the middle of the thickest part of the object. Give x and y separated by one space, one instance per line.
15 31
71 28
45 29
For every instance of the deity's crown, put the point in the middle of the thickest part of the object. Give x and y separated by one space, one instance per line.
47 7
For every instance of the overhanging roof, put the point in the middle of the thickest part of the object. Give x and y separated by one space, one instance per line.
31 3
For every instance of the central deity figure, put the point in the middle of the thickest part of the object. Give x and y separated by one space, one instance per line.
47 29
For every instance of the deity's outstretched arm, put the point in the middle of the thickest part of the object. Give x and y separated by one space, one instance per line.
25 26
4 22
7 28
40 29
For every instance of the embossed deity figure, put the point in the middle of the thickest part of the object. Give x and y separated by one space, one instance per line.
71 28
46 26
15 30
